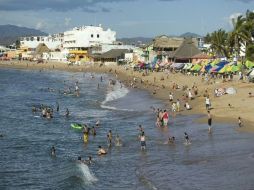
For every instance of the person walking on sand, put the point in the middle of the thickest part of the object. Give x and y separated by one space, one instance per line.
209 121
178 105
190 94
240 124
207 103
171 98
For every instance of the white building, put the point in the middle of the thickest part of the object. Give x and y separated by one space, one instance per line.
88 36
52 41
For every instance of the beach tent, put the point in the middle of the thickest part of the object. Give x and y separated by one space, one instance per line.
231 90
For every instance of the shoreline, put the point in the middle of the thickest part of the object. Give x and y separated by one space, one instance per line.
242 105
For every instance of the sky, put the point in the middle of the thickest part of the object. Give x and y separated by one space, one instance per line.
129 18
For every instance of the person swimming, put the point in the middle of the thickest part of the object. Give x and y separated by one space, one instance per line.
97 124
101 151
171 140
87 162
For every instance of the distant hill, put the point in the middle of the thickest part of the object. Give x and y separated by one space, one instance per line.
10 33
135 40
189 34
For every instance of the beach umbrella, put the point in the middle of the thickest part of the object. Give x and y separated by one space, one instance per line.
235 68
224 69
231 90
213 69
196 67
202 69
208 67
249 64
215 62
187 66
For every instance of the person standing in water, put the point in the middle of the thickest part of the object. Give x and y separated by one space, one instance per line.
109 137
85 136
143 141
186 137
165 118
57 106
53 151
93 131
118 140
209 122
67 112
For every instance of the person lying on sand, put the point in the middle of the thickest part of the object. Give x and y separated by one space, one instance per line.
250 95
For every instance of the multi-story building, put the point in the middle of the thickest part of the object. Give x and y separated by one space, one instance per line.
52 41
80 38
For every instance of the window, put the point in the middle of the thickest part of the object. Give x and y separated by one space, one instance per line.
38 39
91 35
98 35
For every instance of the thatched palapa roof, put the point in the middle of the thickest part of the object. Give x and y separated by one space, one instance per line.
167 42
41 48
201 56
187 50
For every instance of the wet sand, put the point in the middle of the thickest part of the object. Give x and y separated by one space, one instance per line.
241 104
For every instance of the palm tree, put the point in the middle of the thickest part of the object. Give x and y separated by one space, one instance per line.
219 42
249 25
240 35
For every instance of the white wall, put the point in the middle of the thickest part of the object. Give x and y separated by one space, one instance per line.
88 36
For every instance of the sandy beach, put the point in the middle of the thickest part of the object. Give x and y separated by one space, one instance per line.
160 85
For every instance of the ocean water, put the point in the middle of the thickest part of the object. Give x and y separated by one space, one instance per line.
223 160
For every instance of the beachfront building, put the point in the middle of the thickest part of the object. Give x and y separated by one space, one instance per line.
113 57
102 48
31 43
80 39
